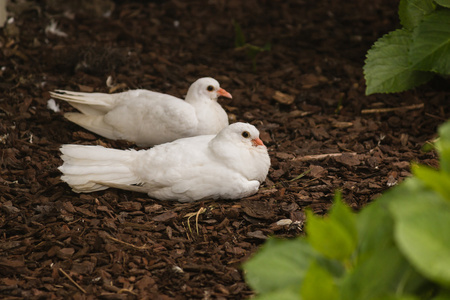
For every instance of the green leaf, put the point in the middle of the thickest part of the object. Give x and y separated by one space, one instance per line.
344 215
422 220
411 12
430 50
387 69
379 274
330 237
318 284
377 251
279 265
253 50
399 297
375 226
436 180
445 3
443 146
336 235
290 293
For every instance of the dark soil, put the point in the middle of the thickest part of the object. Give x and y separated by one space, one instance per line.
305 95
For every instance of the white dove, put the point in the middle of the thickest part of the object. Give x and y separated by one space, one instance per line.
149 118
230 165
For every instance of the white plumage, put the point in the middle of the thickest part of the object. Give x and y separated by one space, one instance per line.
149 118
230 165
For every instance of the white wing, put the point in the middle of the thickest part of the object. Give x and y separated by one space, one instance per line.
187 170
152 120
141 116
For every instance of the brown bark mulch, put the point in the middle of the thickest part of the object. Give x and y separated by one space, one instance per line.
305 95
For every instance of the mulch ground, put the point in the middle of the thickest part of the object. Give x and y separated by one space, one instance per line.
305 95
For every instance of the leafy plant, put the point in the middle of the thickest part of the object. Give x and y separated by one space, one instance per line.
251 50
396 248
412 55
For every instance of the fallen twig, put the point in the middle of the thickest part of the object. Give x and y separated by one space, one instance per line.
129 291
384 110
196 214
71 280
321 156
200 211
141 248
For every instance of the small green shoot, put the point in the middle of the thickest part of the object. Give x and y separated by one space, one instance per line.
300 176
251 50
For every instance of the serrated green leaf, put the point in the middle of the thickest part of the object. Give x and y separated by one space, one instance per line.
411 12
318 284
279 265
422 225
443 146
444 3
387 69
437 180
430 50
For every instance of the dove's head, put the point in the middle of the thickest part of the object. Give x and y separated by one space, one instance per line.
246 134
205 88
240 148
242 134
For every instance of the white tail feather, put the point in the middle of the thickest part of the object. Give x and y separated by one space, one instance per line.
85 167
94 123
87 103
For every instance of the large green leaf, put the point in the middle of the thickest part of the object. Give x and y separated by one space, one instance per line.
411 12
380 274
445 3
422 220
319 284
387 68
430 50
279 265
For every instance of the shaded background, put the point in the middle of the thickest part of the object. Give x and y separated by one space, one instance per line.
305 95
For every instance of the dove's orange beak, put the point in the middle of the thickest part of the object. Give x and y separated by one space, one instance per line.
257 142
222 92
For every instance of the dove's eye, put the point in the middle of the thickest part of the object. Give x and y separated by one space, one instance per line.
245 134
210 88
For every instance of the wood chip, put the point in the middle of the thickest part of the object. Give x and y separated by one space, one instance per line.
283 98
165 216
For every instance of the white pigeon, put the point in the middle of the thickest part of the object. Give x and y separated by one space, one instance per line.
149 118
229 165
